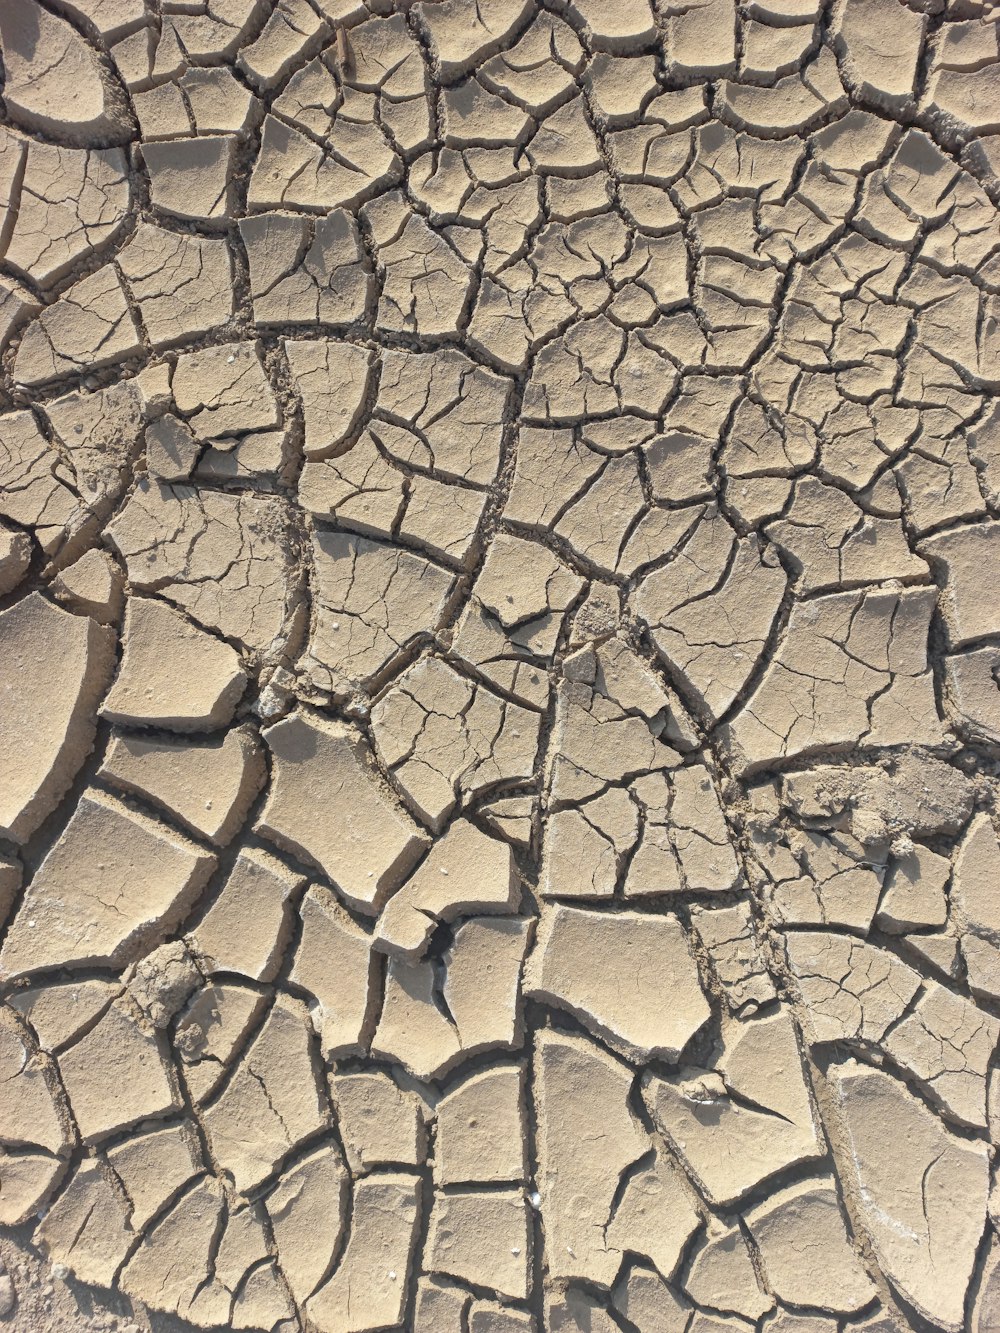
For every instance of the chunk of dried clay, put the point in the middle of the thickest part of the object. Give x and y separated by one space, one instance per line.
784 1321
644 1298
690 608
962 554
748 1119
806 1251
304 270
17 305
915 892
90 326
226 559
988 1298
656 1216
686 844
722 1275
838 678
825 882
946 1043
58 1013
116 1075
884 71
374 601
448 412
489 1317
582 1095
412 1028
607 969
15 557
379 1123
911 793
366 846
27 1181
28 1116
426 283
343 998
206 786
224 390
191 178
729 935
575 1310
50 712
209 1032
246 1276
92 586
429 1027
258 459
98 432
54 83
972 685
975 906
114 881
161 982
33 492
596 740
173 674
308 1210
368 1290
438 764
511 625
10 884
586 849
440 1305
248 922
88 1230
482 1239
852 990
479 1137
72 201
170 1269
924 1204
153 1166
182 284
512 818
271 1103
465 871
332 379
460 41
482 983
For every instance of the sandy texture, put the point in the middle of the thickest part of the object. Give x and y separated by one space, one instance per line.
499 659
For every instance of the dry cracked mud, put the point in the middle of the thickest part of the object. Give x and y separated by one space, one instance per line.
499 659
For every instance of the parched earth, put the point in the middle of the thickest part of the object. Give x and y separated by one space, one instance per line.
499 658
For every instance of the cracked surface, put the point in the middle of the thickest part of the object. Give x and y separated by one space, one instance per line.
499 666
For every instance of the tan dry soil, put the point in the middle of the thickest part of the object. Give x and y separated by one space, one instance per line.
499 659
